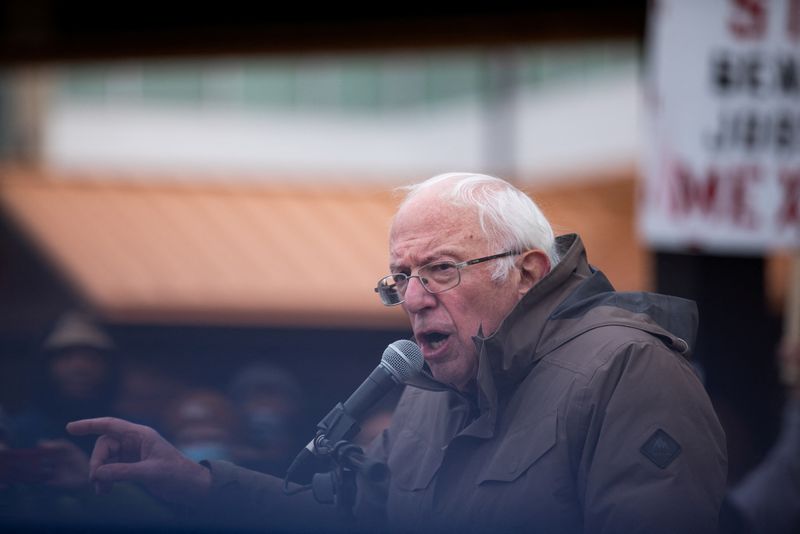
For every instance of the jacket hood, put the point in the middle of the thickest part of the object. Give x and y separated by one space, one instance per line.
572 299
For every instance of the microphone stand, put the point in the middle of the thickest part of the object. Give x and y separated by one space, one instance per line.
339 485
332 446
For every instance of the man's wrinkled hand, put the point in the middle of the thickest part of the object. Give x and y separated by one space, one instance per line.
129 452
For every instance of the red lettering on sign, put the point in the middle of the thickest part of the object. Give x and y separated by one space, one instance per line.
793 20
789 212
719 194
741 178
748 19
692 193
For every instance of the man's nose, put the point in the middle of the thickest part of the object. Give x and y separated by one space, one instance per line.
417 297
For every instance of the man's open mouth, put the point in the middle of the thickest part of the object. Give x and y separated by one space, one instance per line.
434 339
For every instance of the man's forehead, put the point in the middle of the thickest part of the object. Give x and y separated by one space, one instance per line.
429 211
425 231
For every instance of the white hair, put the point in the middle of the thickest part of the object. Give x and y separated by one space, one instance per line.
509 219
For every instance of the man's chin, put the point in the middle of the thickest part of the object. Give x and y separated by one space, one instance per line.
451 375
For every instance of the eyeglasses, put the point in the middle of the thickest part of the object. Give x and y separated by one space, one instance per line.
435 277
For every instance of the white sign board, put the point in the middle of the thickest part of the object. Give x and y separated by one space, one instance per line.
722 126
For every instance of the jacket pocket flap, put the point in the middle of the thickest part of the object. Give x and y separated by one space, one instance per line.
520 450
413 462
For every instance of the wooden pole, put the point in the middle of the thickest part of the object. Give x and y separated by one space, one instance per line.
790 369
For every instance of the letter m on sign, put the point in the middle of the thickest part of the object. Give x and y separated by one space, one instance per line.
690 192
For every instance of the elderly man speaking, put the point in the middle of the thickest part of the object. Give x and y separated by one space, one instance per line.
549 402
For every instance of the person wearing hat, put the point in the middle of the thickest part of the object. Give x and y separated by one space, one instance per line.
75 376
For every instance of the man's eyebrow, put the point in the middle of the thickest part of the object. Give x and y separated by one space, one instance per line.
428 258
435 256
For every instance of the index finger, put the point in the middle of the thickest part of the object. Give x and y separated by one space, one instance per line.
101 425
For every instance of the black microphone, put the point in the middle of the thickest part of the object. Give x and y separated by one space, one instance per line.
401 360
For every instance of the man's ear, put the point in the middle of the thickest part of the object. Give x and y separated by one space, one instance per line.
534 266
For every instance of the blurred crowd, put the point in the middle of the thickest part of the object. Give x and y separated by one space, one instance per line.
251 421
80 373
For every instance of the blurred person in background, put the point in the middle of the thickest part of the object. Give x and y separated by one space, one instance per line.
76 375
767 500
144 390
203 425
270 403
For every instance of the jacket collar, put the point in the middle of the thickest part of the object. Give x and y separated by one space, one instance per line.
507 356
509 353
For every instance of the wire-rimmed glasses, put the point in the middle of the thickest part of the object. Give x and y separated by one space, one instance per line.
435 277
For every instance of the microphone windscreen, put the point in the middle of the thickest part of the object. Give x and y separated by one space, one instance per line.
403 359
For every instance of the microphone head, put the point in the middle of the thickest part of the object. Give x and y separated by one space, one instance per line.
403 359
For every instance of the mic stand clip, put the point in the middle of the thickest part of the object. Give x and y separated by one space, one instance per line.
339 485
